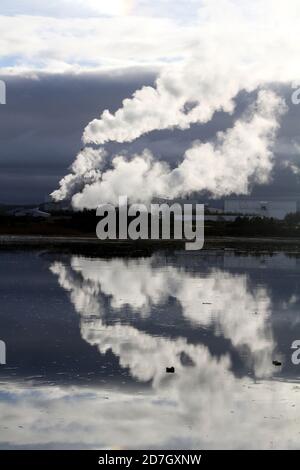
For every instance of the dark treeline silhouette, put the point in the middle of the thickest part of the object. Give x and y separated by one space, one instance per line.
83 223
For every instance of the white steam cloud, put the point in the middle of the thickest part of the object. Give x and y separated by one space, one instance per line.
244 150
86 169
241 49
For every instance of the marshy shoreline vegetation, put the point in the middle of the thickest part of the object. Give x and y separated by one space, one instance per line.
76 232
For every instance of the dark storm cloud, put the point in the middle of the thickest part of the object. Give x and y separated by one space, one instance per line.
43 121
42 124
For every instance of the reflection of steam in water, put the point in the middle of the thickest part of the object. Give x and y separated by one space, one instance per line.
235 312
203 405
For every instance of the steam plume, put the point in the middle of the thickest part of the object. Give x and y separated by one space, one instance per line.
242 155
240 49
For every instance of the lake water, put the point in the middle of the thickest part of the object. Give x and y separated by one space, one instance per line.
88 341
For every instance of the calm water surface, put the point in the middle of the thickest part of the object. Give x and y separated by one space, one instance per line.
88 342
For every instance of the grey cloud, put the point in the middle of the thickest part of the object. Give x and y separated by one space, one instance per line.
42 123
41 126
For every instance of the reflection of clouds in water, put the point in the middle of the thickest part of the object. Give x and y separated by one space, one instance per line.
203 405
211 409
236 312
292 302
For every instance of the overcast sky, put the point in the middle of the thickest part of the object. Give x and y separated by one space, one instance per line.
65 62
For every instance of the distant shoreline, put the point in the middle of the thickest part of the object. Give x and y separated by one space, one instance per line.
140 247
